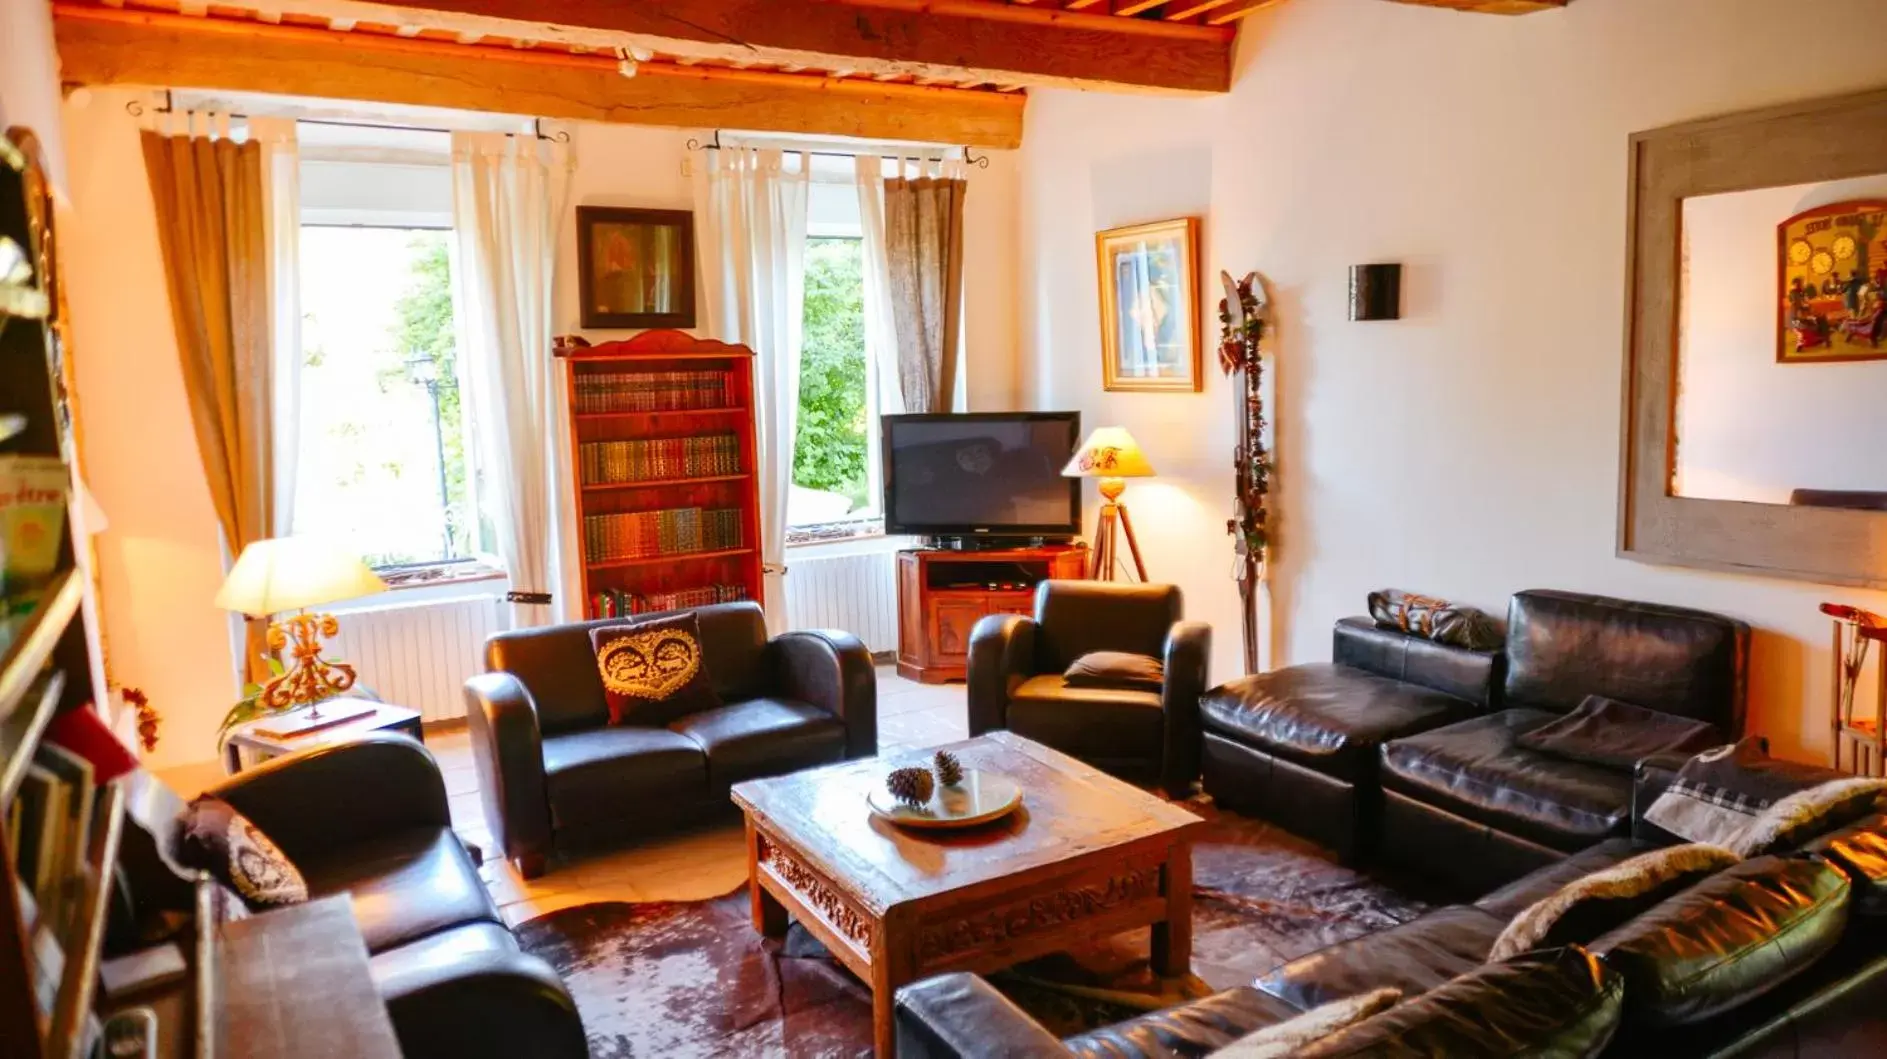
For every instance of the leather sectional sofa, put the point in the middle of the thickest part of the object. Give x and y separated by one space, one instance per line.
555 774
1776 956
1406 748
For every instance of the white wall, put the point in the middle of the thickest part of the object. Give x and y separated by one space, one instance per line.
1749 428
1470 449
161 558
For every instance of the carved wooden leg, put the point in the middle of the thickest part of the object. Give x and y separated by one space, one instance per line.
891 967
1172 938
769 915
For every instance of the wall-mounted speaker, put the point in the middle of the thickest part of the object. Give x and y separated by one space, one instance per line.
1375 292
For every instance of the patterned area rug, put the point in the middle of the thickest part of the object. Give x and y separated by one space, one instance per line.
686 979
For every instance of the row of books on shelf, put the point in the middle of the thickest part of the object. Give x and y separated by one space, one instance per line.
32 527
616 603
49 832
613 462
652 391
671 531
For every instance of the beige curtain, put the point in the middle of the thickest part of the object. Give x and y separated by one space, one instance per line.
924 260
211 208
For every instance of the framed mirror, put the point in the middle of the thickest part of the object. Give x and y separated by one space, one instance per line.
1755 391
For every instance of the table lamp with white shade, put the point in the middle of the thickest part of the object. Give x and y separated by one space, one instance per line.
1112 455
283 574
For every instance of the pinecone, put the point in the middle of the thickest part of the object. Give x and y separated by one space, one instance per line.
912 786
949 769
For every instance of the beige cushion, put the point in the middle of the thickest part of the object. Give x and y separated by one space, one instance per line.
1600 901
1808 814
1286 1038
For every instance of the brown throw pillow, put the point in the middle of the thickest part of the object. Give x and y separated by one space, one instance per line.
653 671
218 839
1116 669
1617 735
1593 904
1283 1039
1434 619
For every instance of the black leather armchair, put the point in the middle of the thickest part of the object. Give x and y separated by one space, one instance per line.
369 818
1016 666
556 774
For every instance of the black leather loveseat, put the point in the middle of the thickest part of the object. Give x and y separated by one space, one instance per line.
1776 956
555 773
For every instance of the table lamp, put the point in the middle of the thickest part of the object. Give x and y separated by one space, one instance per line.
1112 455
292 574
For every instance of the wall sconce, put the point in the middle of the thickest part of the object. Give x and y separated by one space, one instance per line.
1375 292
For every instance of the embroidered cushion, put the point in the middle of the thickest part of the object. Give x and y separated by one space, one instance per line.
1434 619
1593 904
1720 791
1289 1037
220 840
1116 669
1617 735
653 671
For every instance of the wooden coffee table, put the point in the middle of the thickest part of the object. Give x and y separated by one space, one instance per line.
1085 856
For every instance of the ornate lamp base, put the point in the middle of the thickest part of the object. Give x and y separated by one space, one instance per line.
311 679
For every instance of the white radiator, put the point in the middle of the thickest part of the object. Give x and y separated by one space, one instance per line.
419 655
856 593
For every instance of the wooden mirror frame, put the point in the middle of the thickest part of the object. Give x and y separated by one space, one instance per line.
1800 143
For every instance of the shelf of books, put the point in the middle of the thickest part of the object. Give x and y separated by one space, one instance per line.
663 429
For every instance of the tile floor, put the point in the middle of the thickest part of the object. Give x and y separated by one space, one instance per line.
688 866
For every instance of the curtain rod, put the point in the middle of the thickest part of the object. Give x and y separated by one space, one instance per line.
968 159
136 109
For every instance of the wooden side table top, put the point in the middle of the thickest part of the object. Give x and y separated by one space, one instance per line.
1068 809
296 982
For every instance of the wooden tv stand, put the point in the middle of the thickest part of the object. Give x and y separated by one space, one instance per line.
942 594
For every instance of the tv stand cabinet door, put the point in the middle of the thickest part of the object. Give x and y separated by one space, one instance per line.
952 617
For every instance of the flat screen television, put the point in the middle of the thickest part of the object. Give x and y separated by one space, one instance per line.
984 474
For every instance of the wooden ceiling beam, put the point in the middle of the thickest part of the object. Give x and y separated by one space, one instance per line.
103 45
1041 44
1492 7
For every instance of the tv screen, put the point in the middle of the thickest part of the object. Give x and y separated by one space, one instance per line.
995 473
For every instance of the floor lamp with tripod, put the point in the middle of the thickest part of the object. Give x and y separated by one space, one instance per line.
1112 455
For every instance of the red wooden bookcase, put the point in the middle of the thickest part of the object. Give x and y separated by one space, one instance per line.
684 392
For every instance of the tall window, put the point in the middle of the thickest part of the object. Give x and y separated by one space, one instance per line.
835 473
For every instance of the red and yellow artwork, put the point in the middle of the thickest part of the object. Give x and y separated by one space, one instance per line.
1832 280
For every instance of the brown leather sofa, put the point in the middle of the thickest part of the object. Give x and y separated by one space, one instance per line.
368 818
1016 666
555 774
1776 956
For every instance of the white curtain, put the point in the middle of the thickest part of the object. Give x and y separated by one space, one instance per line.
281 204
750 211
508 199
881 335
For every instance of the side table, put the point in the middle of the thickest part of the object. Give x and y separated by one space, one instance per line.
385 718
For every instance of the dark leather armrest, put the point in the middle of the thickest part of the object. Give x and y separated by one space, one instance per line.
833 671
960 1016
508 751
1651 778
342 794
1002 655
479 1001
1188 653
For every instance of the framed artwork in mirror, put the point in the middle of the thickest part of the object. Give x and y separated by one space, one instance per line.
1832 273
636 267
1150 306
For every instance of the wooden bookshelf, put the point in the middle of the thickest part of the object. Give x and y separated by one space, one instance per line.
662 429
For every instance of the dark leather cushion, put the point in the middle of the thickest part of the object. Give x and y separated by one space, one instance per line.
1329 717
1727 940
1553 1002
469 991
1860 851
652 670
1563 646
1618 735
1471 675
1414 957
1194 1029
406 886
1076 617
1530 889
1475 769
762 737
557 664
1116 669
1094 724
213 836
605 774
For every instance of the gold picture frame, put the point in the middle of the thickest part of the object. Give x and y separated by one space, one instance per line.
1149 276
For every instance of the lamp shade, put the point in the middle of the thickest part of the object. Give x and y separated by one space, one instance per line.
1109 452
289 573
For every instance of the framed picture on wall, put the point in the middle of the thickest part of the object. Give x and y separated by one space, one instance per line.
1831 271
636 267
1150 306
